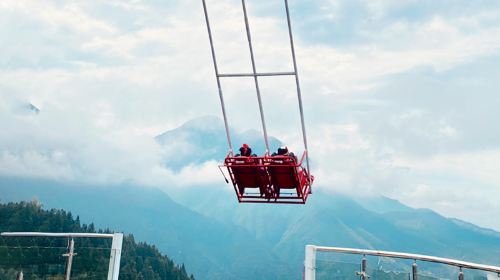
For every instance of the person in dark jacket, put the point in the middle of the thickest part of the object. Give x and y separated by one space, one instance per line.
283 151
245 151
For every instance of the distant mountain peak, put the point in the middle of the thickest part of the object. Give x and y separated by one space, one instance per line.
204 138
382 204
16 105
33 108
205 123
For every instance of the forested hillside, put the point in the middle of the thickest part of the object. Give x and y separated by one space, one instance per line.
41 258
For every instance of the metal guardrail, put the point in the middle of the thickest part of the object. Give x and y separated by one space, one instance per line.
57 234
115 255
310 261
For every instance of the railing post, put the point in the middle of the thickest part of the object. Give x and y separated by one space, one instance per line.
414 271
70 255
116 253
362 274
461 274
363 268
310 263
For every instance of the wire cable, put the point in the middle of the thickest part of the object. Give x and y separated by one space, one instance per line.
261 109
221 97
299 95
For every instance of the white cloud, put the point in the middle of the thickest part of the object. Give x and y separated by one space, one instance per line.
110 75
98 151
54 165
438 43
480 166
203 175
68 15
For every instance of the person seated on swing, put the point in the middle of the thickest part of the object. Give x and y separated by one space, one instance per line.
283 151
247 158
245 151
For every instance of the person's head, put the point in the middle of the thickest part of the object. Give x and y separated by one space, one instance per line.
282 150
245 150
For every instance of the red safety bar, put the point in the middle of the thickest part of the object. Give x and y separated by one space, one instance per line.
274 179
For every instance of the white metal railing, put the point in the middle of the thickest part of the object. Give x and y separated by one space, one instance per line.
58 234
310 261
116 247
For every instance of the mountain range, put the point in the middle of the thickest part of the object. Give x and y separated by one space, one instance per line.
217 238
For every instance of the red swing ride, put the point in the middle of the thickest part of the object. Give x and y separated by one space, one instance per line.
269 178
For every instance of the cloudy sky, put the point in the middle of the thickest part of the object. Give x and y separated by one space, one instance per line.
400 97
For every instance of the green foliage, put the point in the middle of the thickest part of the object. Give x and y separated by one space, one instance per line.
41 258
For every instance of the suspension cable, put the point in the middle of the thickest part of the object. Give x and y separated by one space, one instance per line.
299 95
255 77
221 97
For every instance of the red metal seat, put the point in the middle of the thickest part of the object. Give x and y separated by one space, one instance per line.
283 172
286 173
248 172
270 175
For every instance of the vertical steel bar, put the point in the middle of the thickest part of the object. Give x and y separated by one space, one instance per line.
249 37
221 97
414 271
461 275
299 95
363 269
362 274
70 259
310 263
115 256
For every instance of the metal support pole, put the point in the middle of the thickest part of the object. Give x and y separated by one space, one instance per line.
70 255
414 272
362 274
461 274
116 253
310 263
299 95
249 37
221 97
